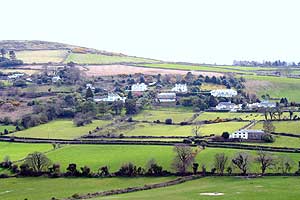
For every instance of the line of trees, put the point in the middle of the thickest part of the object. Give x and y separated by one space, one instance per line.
276 63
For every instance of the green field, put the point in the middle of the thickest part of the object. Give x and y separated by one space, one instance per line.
233 188
114 156
210 86
8 127
229 115
281 141
46 188
276 87
146 129
235 69
42 56
59 129
104 59
17 151
176 115
283 126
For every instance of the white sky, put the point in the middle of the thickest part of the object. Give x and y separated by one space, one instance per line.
188 30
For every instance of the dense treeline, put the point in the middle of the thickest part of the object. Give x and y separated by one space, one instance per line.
11 61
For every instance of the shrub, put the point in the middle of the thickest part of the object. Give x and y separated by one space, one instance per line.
268 138
168 121
225 135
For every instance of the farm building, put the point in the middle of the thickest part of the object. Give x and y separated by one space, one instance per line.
55 79
179 88
166 97
111 97
227 106
15 76
223 93
139 87
248 134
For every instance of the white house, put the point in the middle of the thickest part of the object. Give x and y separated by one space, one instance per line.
55 79
15 76
263 104
111 97
223 93
89 85
179 88
139 87
227 106
248 134
166 97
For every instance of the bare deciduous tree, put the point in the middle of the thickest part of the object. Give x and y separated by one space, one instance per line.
242 161
266 160
37 161
285 164
184 157
268 127
196 130
220 162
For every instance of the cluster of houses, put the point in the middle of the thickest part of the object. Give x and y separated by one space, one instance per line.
228 106
223 93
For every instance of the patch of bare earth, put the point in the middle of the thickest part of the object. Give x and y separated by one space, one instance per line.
110 70
254 86
212 194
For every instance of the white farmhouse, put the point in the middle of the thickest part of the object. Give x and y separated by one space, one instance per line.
227 106
139 87
248 134
111 97
223 93
55 79
179 88
166 97
15 76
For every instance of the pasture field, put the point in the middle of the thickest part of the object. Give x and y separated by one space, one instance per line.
38 188
24 71
59 129
232 69
176 115
229 115
42 56
54 88
281 141
283 126
17 151
276 87
234 188
210 86
146 129
114 156
104 59
8 127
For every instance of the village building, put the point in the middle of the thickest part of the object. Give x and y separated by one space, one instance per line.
55 79
15 76
223 93
139 87
248 134
228 106
111 97
166 97
180 88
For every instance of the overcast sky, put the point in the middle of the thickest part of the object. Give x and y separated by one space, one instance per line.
211 31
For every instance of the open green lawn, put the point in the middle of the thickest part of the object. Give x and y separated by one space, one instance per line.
147 129
176 115
114 156
60 129
283 126
233 188
229 115
274 86
46 188
7 127
17 151
42 56
104 59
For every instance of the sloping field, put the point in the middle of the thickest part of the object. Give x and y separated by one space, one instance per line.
42 56
46 188
104 59
229 115
283 127
223 188
59 129
109 70
277 87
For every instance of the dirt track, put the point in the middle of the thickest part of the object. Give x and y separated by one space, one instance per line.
107 70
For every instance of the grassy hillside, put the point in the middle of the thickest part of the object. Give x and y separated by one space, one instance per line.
46 188
235 188
42 56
